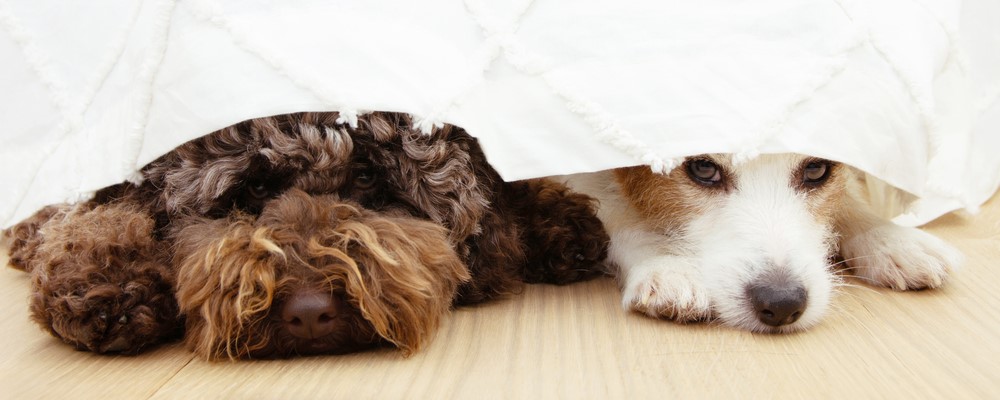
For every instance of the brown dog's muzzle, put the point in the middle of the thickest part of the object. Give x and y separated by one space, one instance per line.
313 274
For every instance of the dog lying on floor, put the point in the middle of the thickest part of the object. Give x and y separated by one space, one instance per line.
296 234
750 244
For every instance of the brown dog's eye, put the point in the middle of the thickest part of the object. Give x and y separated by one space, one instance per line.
704 172
815 173
258 191
364 179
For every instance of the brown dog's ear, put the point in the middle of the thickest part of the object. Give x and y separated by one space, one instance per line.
405 275
225 279
194 175
447 176
443 174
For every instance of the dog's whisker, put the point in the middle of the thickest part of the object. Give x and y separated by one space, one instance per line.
838 311
862 278
858 258
853 268
858 287
843 264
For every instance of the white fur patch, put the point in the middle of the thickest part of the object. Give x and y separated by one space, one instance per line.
900 258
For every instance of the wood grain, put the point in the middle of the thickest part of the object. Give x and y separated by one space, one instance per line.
576 342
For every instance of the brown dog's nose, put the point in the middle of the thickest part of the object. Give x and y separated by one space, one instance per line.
778 305
309 314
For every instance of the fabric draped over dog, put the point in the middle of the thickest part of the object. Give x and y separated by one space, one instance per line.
906 90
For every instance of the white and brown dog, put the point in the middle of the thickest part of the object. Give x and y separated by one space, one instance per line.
751 244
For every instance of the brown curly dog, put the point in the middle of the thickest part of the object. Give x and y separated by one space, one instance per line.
297 234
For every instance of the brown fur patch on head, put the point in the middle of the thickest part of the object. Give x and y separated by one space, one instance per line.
666 202
443 174
441 169
397 274
244 165
825 200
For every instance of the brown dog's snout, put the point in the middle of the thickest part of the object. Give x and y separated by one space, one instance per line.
310 314
778 305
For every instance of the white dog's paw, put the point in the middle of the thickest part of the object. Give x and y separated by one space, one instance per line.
900 258
663 292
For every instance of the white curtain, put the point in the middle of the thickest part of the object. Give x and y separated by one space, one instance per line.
906 90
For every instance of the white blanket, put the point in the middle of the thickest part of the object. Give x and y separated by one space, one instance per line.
906 90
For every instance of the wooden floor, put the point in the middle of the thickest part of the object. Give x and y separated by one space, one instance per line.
575 342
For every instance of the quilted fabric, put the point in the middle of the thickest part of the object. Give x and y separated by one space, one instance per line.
907 90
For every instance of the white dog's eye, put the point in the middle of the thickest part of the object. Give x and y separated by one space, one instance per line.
704 172
816 172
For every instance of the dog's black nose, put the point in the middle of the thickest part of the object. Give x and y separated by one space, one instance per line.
309 314
778 305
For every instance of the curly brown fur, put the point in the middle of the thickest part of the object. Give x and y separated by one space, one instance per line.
25 239
560 229
392 277
100 281
386 166
215 192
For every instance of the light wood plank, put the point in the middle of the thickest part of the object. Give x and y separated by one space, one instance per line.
34 365
576 342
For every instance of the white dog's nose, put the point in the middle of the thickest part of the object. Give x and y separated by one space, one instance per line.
778 305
